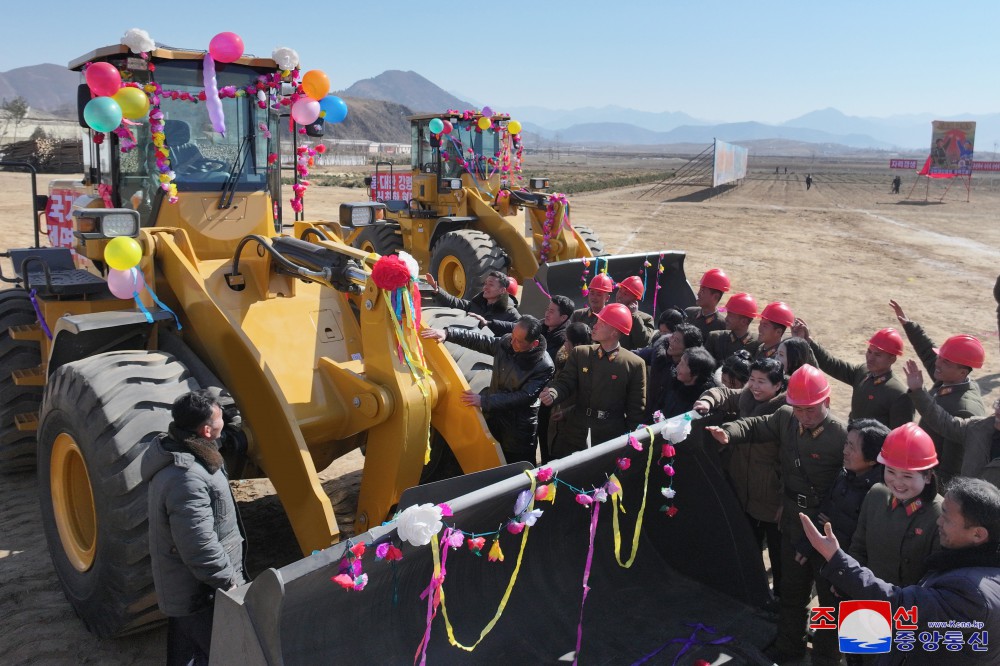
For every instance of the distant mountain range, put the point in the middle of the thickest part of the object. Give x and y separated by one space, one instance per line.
394 94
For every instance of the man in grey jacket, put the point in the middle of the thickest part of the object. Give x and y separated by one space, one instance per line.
195 541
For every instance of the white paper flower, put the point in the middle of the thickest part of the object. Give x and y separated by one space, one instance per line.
418 523
411 264
138 41
668 492
677 429
285 57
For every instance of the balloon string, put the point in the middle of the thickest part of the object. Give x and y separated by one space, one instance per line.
159 303
38 311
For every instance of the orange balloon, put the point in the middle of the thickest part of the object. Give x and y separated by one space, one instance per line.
315 84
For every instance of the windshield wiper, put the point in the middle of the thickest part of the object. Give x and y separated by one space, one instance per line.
229 187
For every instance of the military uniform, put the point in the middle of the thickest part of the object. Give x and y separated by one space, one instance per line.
977 436
882 398
608 390
962 400
723 344
766 352
705 323
639 335
810 463
893 539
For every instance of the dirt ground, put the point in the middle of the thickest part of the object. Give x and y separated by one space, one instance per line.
836 253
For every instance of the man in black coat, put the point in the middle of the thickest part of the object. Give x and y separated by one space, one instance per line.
492 303
521 369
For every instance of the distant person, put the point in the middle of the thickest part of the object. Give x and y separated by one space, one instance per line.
896 183
775 171
786 170
809 180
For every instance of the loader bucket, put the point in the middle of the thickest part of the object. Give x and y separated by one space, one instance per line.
696 584
568 278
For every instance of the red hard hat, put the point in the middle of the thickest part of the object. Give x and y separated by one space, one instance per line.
806 387
617 316
888 340
908 447
779 313
634 284
963 350
715 278
511 286
742 304
602 282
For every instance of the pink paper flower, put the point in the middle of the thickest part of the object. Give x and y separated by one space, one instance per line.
543 475
624 464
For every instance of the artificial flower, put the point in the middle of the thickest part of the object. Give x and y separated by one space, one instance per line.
669 493
495 552
417 524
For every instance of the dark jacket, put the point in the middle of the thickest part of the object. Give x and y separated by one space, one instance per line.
961 400
891 542
680 398
510 403
842 505
713 322
501 308
554 338
195 541
881 398
755 470
962 585
973 435
661 374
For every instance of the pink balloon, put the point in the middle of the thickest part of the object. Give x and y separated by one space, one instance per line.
104 79
226 47
305 111
125 284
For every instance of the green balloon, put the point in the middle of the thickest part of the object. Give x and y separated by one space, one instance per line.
436 125
103 114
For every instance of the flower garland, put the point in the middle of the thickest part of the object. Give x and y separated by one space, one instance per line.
303 160
659 272
159 138
549 226
425 524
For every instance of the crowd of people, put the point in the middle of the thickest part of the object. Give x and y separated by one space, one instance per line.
845 510
807 482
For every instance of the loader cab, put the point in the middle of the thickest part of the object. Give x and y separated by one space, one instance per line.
465 150
200 159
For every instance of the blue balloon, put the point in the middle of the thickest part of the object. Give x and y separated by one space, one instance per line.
103 114
335 108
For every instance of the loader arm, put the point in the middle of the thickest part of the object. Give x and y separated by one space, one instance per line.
267 415
523 260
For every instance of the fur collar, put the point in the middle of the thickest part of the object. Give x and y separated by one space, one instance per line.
204 451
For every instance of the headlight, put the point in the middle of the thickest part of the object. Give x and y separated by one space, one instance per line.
98 223
361 214
538 183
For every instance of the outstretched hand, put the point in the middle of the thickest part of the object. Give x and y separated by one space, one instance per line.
914 378
898 310
438 334
824 545
431 281
800 329
720 435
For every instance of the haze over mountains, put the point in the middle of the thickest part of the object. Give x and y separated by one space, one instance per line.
52 88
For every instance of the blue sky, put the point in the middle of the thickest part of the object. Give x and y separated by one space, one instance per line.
723 61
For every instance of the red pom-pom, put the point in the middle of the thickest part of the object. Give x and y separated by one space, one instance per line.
672 511
390 273
321 149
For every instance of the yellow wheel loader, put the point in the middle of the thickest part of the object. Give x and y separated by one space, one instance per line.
456 211
291 326
311 359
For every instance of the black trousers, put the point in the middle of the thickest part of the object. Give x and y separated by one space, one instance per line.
189 638
763 530
797 582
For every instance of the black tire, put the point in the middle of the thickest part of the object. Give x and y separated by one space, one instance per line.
475 252
382 239
477 369
593 241
110 406
17 447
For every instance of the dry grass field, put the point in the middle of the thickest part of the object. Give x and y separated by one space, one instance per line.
836 253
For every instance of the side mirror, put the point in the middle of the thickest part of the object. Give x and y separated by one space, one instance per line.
83 95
